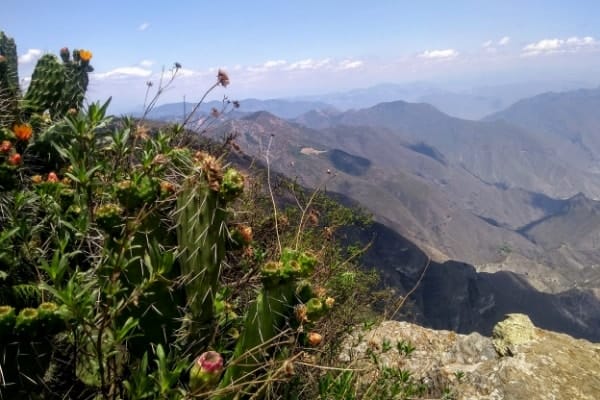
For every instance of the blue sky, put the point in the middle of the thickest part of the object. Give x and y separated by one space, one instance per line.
288 48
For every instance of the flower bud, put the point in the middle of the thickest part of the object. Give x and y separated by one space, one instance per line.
5 146
206 371
314 338
15 159
52 178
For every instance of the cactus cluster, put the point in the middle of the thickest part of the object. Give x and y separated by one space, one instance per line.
56 86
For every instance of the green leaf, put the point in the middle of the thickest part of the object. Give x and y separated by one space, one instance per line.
127 327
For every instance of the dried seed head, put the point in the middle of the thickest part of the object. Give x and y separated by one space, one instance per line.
248 252
160 159
329 302
301 312
142 132
223 78
320 292
288 368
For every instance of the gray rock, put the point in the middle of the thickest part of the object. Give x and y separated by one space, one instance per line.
521 362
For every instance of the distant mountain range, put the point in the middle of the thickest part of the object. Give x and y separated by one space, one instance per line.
513 192
471 104
281 108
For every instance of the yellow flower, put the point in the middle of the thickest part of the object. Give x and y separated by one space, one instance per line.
22 131
85 55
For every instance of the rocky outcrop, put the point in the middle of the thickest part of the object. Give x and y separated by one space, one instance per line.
519 362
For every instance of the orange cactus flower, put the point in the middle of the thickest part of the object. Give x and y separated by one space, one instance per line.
5 146
22 131
52 177
15 159
85 55
36 179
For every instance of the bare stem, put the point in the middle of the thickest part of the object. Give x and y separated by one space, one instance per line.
267 158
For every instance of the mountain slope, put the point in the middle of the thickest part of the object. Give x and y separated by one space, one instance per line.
493 151
570 120
443 208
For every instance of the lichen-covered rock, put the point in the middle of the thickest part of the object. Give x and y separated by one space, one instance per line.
516 329
541 365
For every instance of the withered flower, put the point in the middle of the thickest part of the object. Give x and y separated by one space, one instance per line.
223 78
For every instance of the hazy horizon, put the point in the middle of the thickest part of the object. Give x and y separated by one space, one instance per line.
279 50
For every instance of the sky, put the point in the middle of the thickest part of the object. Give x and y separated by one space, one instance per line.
291 48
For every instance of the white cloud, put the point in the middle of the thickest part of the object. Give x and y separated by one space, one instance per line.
550 46
30 56
308 63
143 26
274 63
439 54
267 65
504 41
124 72
350 64
185 72
146 63
487 44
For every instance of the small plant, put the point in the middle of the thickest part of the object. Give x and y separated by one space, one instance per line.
459 375
386 345
404 348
